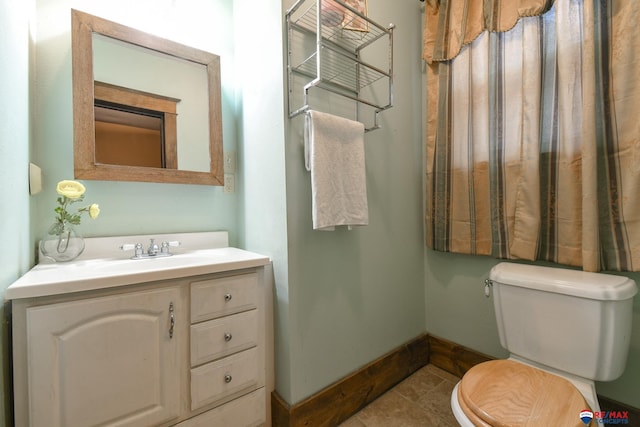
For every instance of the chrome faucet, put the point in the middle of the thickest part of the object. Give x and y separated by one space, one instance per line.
153 251
153 248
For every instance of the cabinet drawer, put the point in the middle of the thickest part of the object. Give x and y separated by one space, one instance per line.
221 337
220 297
224 379
245 411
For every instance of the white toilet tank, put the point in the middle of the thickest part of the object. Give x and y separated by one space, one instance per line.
570 320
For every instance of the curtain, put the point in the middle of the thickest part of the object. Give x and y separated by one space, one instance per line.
451 24
533 139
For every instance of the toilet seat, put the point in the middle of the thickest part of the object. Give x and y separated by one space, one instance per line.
507 393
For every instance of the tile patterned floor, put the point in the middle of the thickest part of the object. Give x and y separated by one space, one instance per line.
420 400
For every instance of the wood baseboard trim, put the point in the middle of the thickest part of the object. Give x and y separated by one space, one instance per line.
347 396
457 359
344 398
633 414
453 358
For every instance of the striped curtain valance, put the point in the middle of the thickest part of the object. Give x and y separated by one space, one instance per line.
451 24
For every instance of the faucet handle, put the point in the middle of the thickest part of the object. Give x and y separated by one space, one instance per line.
164 249
130 246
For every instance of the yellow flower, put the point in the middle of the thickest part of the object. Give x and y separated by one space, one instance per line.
70 189
94 211
71 192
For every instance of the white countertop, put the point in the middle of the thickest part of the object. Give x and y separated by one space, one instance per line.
103 265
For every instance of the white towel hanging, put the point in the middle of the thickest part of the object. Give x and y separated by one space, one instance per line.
334 154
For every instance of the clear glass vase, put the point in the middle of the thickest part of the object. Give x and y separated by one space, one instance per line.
62 242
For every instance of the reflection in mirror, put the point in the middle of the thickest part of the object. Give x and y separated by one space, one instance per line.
163 75
134 128
129 138
153 112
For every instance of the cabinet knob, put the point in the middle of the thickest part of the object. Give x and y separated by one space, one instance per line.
227 297
227 336
227 378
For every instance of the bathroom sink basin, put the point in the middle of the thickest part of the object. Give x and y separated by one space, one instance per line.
98 273
128 265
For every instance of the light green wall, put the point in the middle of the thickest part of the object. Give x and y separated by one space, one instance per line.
261 182
16 255
355 295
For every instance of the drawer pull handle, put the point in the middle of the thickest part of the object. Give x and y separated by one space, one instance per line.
172 320
227 336
227 297
227 378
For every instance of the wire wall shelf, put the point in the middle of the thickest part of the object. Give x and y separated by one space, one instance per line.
335 48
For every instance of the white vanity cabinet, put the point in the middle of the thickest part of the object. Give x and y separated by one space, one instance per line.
191 347
103 360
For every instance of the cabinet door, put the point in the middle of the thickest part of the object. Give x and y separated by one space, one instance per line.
108 361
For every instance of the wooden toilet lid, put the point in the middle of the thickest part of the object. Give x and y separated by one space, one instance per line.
507 393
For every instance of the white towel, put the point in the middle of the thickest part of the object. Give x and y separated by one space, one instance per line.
334 154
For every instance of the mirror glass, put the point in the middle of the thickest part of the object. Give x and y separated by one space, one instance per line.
145 108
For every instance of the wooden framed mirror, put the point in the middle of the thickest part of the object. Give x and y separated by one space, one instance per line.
124 75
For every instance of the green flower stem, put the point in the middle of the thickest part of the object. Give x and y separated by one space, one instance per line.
63 216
